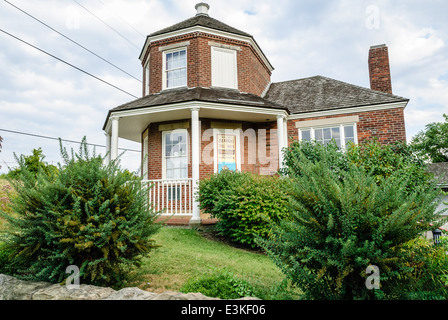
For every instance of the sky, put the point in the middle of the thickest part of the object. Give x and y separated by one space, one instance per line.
43 96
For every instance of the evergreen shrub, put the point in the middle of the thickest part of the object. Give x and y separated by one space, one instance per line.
88 214
244 203
344 218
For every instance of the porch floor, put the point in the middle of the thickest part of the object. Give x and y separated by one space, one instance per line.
184 221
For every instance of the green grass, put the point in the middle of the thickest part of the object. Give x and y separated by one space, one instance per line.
184 254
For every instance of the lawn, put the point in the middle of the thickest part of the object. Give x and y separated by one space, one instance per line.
186 253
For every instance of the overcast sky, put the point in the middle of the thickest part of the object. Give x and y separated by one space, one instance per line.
43 96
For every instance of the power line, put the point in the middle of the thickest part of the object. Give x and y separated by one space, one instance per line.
65 140
67 63
122 19
106 24
73 41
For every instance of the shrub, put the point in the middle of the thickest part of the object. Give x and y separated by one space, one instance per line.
33 163
342 220
94 216
222 284
243 203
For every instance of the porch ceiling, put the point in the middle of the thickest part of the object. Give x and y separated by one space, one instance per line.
132 123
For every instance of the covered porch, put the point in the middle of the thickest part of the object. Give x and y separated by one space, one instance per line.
142 122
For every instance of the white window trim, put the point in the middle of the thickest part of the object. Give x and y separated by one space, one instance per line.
164 53
145 169
164 133
234 55
341 130
235 132
147 77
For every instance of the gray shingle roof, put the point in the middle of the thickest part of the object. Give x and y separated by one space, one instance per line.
201 20
320 93
440 170
217 95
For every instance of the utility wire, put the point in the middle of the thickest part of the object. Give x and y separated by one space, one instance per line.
73 41
106 24
65 140
67 63
122 19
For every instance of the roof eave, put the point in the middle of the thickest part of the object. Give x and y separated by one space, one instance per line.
249 39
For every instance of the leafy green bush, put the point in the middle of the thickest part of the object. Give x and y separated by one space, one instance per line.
244 203
222 284
88 214
33 163
428 279
343 220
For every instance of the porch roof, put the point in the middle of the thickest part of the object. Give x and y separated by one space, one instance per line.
175 104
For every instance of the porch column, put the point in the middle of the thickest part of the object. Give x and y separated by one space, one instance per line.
107 148
114 140
280 138
195 156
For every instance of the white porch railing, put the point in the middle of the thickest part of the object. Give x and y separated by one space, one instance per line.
173 195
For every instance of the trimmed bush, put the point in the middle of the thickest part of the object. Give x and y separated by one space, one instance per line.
343 219
244 203
222 284
86 214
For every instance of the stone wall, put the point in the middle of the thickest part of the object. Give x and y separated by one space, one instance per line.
14 289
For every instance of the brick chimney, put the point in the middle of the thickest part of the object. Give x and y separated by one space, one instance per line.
379 69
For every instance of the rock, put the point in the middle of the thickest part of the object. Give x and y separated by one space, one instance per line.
14 289
172 295
83 292
131 294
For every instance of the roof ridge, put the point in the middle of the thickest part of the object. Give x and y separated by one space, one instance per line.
200 20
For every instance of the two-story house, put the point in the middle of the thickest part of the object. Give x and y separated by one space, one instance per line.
208 103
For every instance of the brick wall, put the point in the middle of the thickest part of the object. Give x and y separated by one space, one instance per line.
256 139
253 75
388 125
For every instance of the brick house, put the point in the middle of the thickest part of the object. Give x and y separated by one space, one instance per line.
208 103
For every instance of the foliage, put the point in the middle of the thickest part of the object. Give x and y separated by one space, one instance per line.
1 140
433 141
380 161
221 284
428 279
343 219
91 215
33 163
244 203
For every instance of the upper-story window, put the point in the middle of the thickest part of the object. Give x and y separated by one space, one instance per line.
175 68
224 68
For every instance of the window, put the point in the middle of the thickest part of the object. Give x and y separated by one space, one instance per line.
175 68
342 134
224 68
175 154
227 149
